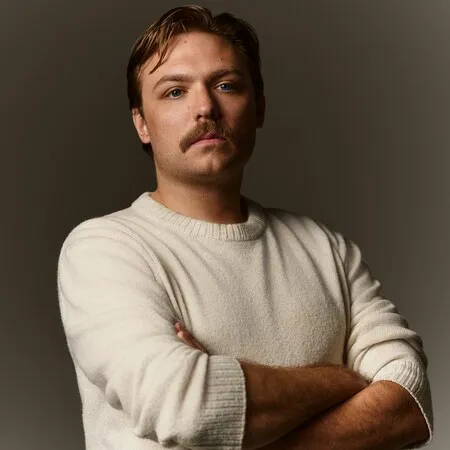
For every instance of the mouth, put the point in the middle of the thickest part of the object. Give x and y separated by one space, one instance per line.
210 138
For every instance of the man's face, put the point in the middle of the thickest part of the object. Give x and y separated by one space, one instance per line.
204 85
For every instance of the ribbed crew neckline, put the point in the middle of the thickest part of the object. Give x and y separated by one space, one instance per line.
251 229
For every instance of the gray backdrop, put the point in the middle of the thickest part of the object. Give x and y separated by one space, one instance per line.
356 136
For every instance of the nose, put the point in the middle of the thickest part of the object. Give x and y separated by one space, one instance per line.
205 105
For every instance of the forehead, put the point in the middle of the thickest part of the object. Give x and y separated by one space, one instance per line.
196 52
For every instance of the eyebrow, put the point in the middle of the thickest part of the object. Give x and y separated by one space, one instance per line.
188 78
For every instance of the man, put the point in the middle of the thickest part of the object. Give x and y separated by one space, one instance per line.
298 348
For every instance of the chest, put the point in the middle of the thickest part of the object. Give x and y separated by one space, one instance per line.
264 306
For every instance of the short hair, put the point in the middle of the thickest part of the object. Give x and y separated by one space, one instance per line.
156 38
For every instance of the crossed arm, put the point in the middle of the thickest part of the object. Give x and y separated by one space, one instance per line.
124 344
381 416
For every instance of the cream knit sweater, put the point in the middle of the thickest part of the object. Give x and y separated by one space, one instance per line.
278 289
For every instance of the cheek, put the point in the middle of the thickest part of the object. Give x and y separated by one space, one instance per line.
165 126
246 112
245 120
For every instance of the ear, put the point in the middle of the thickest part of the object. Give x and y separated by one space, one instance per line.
140 125
260 111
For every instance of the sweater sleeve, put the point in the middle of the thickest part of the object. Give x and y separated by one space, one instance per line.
119 325
380 344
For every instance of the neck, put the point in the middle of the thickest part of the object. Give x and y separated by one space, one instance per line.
208 203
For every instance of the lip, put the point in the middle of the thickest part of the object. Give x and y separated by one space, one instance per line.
209 141
210 135
210 138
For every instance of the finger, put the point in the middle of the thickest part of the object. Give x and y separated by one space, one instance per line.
197 344
185 337
179 326
190 340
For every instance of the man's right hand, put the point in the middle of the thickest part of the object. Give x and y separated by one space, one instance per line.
187 337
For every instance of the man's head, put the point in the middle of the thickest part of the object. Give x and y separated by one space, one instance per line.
189 74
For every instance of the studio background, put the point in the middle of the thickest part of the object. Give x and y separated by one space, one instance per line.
356 135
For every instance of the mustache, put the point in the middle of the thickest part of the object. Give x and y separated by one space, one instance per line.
196 133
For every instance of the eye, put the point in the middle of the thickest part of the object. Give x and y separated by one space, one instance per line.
226 86
175 91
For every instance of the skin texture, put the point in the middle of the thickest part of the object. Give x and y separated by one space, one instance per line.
199 181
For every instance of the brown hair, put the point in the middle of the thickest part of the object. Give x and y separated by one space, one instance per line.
156 38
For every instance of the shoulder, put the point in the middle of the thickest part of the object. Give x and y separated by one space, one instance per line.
310 228
107 231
